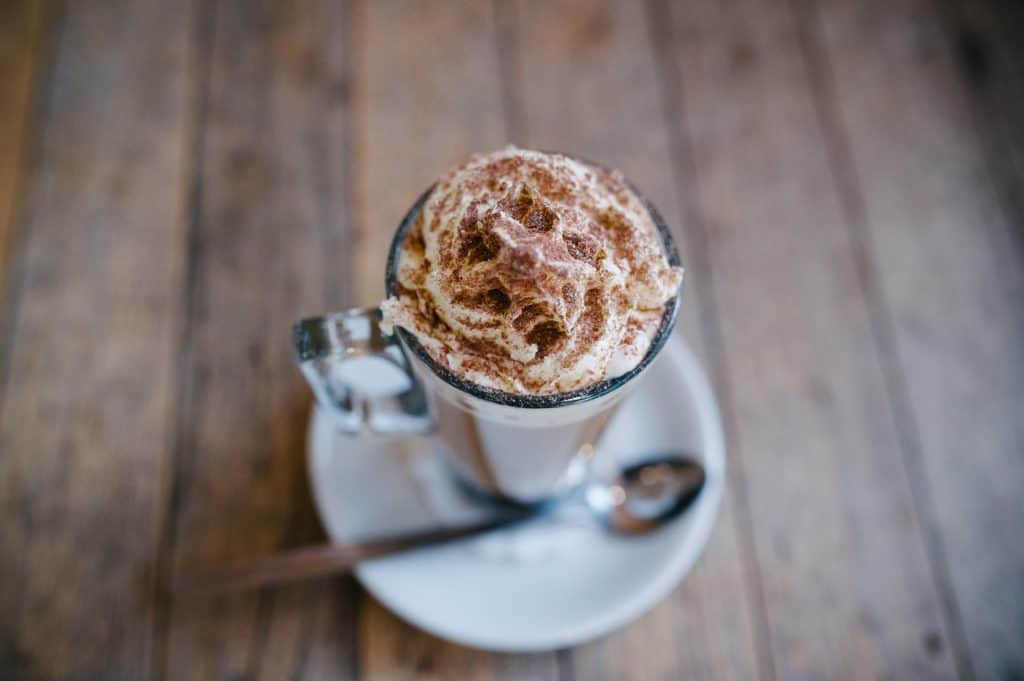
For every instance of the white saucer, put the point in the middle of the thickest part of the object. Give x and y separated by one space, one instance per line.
550 584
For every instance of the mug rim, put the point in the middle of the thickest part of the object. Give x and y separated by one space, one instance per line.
553 400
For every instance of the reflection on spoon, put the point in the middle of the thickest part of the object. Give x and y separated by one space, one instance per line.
646 495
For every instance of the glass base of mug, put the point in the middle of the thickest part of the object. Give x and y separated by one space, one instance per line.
572 482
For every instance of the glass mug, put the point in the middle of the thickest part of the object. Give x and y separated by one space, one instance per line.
517 448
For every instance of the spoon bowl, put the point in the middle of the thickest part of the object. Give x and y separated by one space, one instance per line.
638 498
646 495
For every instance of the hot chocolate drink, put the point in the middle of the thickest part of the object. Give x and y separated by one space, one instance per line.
532 273
528 292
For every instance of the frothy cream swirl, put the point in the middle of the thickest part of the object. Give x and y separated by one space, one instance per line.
532 273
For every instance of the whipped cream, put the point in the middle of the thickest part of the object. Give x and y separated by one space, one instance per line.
532 273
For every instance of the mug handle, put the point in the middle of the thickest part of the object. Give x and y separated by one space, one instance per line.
360 374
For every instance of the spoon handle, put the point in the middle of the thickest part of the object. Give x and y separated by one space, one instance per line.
320 560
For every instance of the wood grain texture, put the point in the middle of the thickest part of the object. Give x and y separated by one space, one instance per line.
22 31
392 649
86 423
848 587
941 235
268 219
984 39
428 94
598 62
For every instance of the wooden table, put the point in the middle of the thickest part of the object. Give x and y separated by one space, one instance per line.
181 180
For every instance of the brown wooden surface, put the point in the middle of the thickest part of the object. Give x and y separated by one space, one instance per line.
836 530
928 192
90 373
179 181
22 36
265 200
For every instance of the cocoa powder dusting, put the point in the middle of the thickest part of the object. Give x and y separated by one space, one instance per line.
494 271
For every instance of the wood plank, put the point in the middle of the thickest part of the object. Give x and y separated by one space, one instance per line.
988 53
426 97
392 649
428 94
938 220
85 430
588 85
270 216
23 28
848 586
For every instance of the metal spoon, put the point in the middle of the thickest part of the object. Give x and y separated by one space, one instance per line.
641 498
646 495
